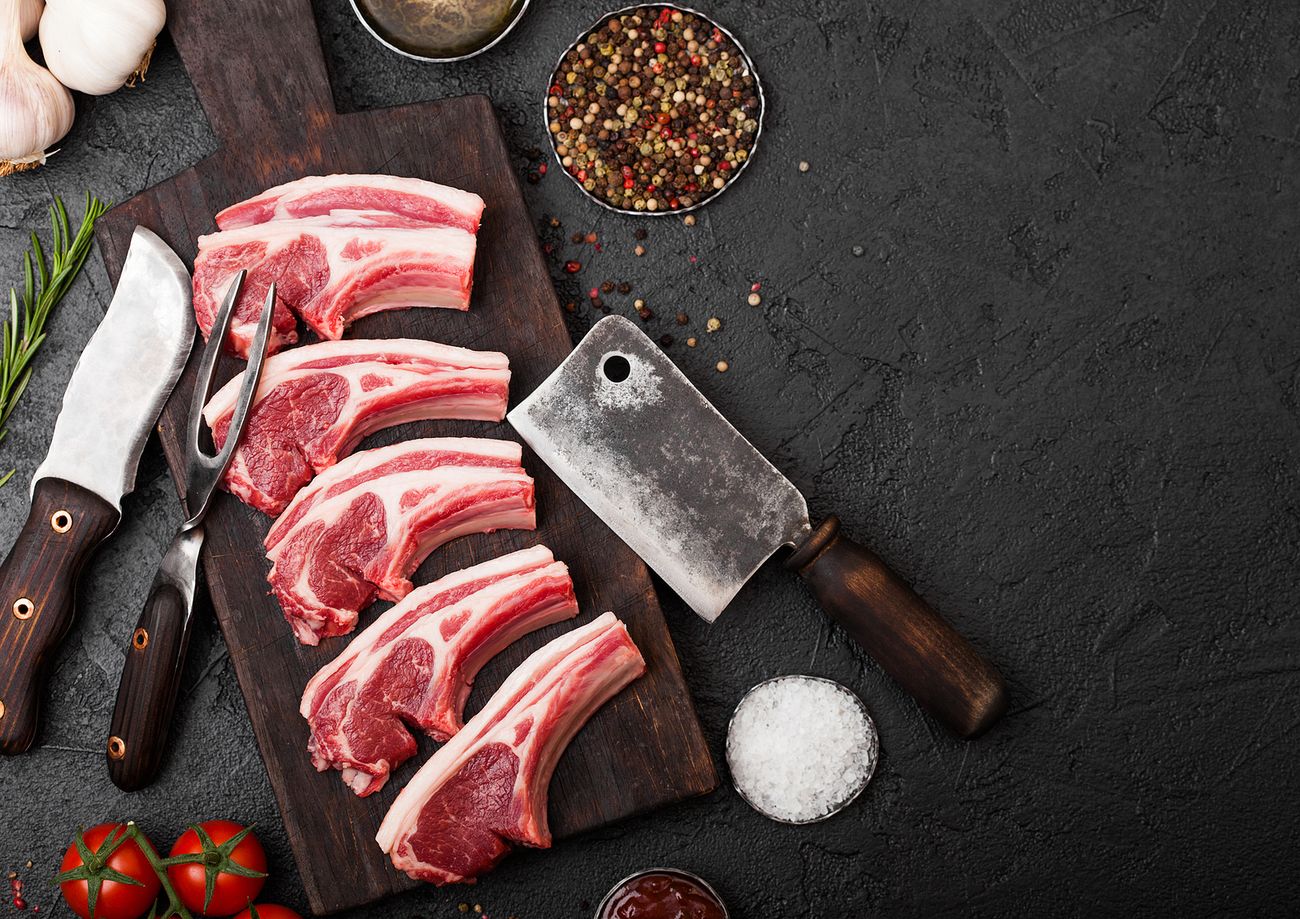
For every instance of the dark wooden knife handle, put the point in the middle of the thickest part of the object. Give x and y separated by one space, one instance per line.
38 590
146 696
909 640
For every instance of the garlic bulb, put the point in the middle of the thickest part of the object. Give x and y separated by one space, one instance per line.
98 46
35 108
31 15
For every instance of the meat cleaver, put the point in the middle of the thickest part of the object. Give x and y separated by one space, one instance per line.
630 435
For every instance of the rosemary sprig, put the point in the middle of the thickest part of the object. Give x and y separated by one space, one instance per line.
44 285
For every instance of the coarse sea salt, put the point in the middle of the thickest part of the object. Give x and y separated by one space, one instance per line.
801 748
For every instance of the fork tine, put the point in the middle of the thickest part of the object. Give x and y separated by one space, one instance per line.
208 366
248 388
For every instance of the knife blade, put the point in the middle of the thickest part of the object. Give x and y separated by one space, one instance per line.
114 397
626 431
118 387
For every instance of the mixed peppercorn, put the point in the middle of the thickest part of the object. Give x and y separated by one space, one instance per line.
655 110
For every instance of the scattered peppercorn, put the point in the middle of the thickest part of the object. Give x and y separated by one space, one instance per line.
803 166
572 267
645 313
624 287
576 238
533 178
570 307
464 907
723 366
858 251
690 342
653 110
755 299
666 340
591 237
639 250
713 324
555 223
640 233
689 220
607 287
682 318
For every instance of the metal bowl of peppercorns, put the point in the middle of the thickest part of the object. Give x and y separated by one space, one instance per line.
654 110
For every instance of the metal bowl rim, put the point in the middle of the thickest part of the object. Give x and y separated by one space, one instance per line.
871 722
523 8
680 872
749 64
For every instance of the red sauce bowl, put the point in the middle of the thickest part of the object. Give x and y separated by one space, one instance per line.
662 893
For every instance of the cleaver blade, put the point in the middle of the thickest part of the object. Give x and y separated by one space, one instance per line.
626 431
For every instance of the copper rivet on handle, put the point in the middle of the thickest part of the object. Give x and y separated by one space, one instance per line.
61 521
140 639
116 748
24 608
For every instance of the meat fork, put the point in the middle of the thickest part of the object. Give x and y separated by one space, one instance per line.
146 695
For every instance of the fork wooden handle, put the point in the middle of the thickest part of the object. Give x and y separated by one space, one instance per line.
909 640
146 695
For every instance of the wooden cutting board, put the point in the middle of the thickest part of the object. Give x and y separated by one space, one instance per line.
258 70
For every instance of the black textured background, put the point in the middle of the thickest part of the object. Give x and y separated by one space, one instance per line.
1028 325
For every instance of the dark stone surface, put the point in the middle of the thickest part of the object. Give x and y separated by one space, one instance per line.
1058 388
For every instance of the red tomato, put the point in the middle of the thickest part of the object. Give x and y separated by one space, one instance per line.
268 911
115 899
232 865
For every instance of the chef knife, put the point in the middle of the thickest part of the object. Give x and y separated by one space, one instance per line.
630 436
119 386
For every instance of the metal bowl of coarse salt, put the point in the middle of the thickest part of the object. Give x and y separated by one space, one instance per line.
801 748
644 133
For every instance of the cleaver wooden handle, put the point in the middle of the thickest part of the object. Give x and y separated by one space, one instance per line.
38 588
909 640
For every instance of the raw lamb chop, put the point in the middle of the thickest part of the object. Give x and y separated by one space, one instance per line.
425 453
376 200
416 664
329 275
316 403
365 540
487 786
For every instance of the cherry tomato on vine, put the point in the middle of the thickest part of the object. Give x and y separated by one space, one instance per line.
226 870
268 911
120 884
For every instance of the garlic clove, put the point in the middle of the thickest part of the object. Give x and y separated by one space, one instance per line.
30 16
36 110
98 46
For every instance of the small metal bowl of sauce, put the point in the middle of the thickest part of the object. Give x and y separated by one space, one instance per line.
439 31
662 893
